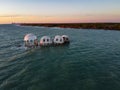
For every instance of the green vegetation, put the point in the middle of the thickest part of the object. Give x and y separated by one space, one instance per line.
105 26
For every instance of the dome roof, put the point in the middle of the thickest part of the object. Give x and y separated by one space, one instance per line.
57 36
29 37
65 36
45 37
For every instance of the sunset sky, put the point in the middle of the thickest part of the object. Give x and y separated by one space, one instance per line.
59 11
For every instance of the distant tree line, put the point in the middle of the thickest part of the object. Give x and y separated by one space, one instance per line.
105 26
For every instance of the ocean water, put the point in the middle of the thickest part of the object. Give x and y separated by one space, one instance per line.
90 62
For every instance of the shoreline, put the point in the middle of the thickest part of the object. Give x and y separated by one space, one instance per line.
105 26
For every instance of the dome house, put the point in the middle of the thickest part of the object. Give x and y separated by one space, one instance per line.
30 40
45 41
58 40
66 39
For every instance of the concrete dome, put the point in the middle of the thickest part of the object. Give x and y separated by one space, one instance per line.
30 40
65 38
30 37
58 40
45 40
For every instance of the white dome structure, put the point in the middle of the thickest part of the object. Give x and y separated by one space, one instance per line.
29 37
30 40
58 40
45 41
65 38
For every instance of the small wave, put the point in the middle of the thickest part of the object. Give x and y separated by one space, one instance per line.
5 46
39 27
19 47
56 28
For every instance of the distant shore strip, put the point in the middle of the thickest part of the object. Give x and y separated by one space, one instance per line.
105 26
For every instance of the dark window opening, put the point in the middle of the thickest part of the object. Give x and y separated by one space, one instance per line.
43 40
56 39
64 38
60 40
67 39
30 40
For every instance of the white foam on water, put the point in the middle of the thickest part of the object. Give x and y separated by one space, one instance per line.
21 47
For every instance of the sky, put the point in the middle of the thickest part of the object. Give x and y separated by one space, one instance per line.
59 11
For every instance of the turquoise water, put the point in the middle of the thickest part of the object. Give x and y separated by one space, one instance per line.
90 62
